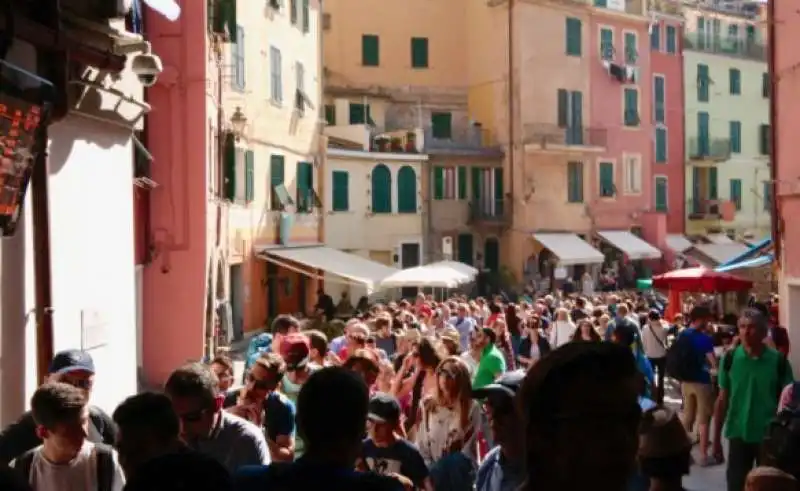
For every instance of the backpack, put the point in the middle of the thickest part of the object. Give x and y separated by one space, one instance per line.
104 454
683 362
783 365
782 443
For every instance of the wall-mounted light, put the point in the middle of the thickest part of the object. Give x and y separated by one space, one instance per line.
238 122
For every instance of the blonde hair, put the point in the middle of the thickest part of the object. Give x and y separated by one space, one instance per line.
564 311
463 381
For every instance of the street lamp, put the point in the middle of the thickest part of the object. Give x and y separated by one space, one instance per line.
238 121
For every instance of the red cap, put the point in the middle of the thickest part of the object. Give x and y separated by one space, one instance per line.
295 350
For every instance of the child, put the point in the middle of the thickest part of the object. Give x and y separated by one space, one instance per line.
385 453
66 459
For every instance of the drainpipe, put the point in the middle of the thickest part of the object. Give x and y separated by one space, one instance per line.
41 259
511 105
773 118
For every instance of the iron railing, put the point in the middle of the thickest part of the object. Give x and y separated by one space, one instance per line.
704 209
489 210
710 148
472 137
553 134
732 46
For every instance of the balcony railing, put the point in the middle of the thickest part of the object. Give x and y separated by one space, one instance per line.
472 137
551 134
489 210
737 47
712 149
669 7
633 7
704 209
397 141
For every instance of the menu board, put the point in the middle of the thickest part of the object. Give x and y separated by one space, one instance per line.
24 101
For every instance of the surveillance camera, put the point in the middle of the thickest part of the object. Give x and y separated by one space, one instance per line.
147 68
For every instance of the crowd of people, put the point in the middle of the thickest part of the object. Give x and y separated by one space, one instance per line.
552 394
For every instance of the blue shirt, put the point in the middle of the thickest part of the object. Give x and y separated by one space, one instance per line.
498 474
702 344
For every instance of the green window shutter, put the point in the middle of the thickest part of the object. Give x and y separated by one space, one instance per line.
358 113
306 16
703 82
606 43
293 11
735 81
222 17
631 50
763 139
672 40
276 178
302 187
703 143
406 190
249 176
462 182
438 182
655 37
499 191
713 183
419 52
330 114
767 193
736 193
575 182
661 145
575 132
765 85
341 191
464 248
574 36
736 136
381 189
370 50
606 179
661 193
230 166
660 93
563 108
631 107
442 125
600 3
477 183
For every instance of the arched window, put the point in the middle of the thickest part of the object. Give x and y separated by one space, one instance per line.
406 190
381 189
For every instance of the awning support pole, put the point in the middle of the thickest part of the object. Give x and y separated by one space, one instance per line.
41 258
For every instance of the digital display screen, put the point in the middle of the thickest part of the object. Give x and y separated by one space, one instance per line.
24 100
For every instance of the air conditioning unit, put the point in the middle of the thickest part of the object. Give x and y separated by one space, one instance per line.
326 21
447 247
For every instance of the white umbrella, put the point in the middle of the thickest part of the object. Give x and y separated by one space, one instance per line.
460 267
422 276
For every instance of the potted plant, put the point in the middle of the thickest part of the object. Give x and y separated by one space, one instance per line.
397 145
383 143
411 142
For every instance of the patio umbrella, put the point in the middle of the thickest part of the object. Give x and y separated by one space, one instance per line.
700 280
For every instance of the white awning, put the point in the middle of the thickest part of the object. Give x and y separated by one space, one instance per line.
678 242
426 276
333 261
634 247
720 239
570 249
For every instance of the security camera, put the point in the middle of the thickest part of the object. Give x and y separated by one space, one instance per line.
147 67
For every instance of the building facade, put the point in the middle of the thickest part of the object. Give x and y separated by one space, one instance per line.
238 124
727 123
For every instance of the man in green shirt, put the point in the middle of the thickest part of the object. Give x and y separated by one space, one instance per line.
751 378
492 363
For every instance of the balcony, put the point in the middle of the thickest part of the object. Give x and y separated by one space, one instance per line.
736 47
668 7
631 7
716 149
489 211
545 137
704 209
472 139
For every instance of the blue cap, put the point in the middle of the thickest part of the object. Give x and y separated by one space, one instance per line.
72 361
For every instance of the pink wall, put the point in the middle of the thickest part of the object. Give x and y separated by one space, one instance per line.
174 283
606 106
671 66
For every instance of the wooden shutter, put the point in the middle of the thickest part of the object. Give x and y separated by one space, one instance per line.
661 194
358 114
419 52
606 179
477 184
763 139
576 118
406 190
736 193
230 166
655 37
659 89
661 145
499 191
370 50
713 182
438 182
442 125
249 176
276 178
341 191
381 180
563 105
462 182
330 114
306 16
293 11
464 248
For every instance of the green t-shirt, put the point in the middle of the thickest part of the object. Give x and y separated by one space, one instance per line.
491 365
753 391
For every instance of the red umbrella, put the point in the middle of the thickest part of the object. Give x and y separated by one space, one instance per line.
700 280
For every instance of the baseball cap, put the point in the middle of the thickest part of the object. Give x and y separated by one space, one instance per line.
507 384
384 408
295 350
72 361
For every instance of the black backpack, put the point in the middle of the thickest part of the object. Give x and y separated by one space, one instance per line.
782 444
683 361
105 466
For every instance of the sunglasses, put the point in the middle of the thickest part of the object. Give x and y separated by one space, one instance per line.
258 384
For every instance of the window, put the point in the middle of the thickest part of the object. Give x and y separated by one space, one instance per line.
462 182
275 75
765 85
237 53
341 191
655 37
306 16
575 182
736 136
767 193
330 114
359 114
570 115
703 143
229 174
406 190
631 107
763 139
419 52
631 48
445 182
703 81
442 125
735 81
293 12
280 196
304 187
633 174
381 189
659 95
300 92
574 36
672 40
736 193
249 176
606 177
607 43
661 193
661 145
370 50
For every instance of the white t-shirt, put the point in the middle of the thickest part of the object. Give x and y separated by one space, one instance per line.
654 340
78 475
561 333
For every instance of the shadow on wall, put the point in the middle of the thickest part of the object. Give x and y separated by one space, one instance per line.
67 132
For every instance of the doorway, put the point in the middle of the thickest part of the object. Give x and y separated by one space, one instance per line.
237 300
410 255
